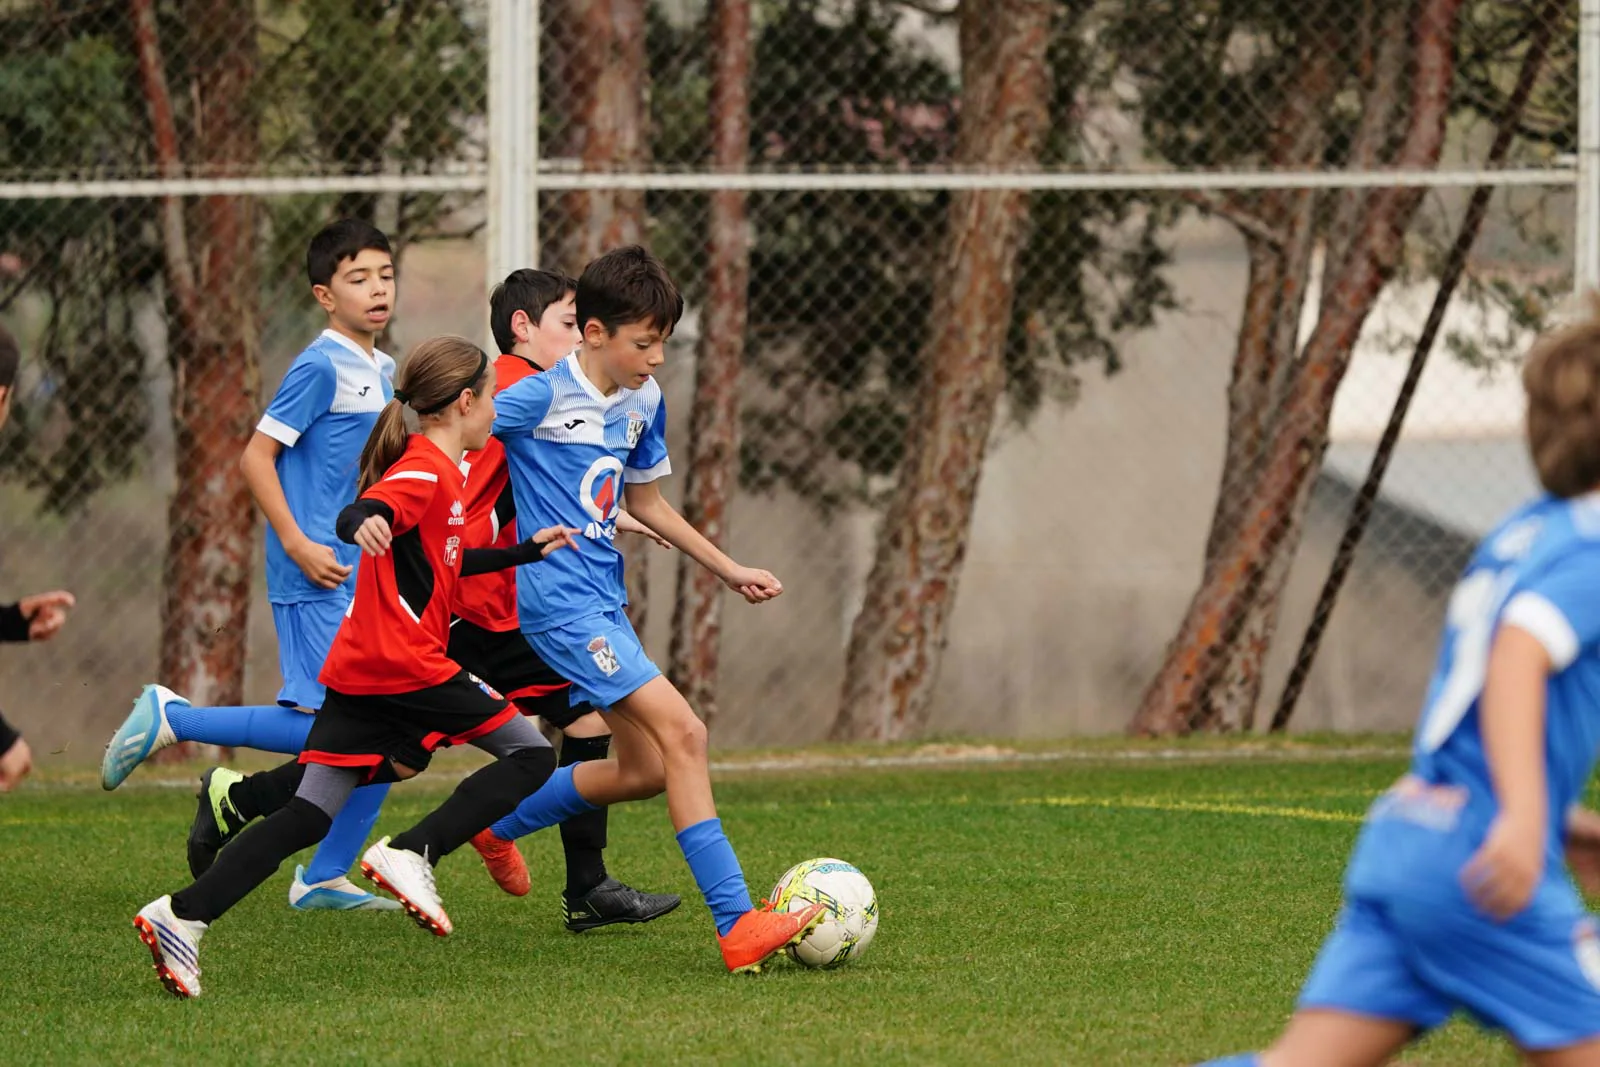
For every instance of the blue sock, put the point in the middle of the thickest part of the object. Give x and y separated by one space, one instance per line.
555 802
267 728
1248 1059
716 871
338 851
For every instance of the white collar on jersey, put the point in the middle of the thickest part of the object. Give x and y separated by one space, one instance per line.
338 338
590 388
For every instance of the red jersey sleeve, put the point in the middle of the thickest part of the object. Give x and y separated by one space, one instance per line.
408 491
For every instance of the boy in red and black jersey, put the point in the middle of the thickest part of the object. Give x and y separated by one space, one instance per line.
394 696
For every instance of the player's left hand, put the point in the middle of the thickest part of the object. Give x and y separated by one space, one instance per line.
754 584
553 537
374 535
1503 874
628 524
46 613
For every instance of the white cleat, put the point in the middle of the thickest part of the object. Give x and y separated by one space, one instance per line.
145 731
407 877
336 894
174 945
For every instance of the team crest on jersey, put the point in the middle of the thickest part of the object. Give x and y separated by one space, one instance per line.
635 427
1516 540
485 686
455 518
604 656
452 551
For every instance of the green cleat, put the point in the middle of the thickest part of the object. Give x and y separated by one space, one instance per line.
216 820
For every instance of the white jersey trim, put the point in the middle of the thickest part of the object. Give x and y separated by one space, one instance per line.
1542 619
635 476
284 434
420 476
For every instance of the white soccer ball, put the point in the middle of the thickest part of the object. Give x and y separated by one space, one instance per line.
851 918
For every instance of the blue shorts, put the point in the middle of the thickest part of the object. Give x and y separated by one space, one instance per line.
1536 978
305 633
601 656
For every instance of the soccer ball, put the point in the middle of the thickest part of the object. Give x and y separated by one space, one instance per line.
847 926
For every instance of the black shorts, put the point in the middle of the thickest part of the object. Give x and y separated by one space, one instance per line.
370 732
506 661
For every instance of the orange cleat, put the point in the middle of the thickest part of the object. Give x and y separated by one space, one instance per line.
761 933
505 862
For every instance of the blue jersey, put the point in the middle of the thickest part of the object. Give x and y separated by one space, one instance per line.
1539 571
322 415
570 450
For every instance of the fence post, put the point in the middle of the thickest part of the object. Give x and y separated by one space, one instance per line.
513 209
1586 244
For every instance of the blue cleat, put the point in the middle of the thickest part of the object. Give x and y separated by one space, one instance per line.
338 894
143 732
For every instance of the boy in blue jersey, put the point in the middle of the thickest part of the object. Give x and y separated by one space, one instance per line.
301 465
580 439
1457 897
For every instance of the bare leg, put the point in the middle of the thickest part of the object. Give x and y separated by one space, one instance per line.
1318 1037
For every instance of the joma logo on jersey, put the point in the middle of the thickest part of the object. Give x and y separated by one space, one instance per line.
604 656
455 518
452 551
635 427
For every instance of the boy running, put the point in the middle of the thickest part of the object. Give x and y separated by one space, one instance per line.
534 320
578 439
1457 897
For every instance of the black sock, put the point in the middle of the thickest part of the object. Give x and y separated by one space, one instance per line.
265 792
583 837
482 797
252 859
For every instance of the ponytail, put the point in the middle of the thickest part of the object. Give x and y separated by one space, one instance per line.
385 445
433 378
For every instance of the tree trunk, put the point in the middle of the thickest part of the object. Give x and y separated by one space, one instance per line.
606 126
1238 596
211 277
602 45
714 418
899 634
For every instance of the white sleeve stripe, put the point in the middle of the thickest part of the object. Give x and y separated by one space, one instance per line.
1542 619
280 432
635 476
419 476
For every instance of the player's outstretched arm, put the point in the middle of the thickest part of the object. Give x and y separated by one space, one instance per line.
259 465
534 549
626 523
1502 875
645 501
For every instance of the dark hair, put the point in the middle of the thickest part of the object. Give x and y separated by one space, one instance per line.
432 378
526 290
1562 379
10 357
339 241
628 285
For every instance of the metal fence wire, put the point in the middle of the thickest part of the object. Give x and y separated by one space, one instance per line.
1039 346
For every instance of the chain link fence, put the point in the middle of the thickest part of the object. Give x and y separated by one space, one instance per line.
1059 333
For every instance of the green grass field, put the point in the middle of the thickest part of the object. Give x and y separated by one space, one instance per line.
1079 908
